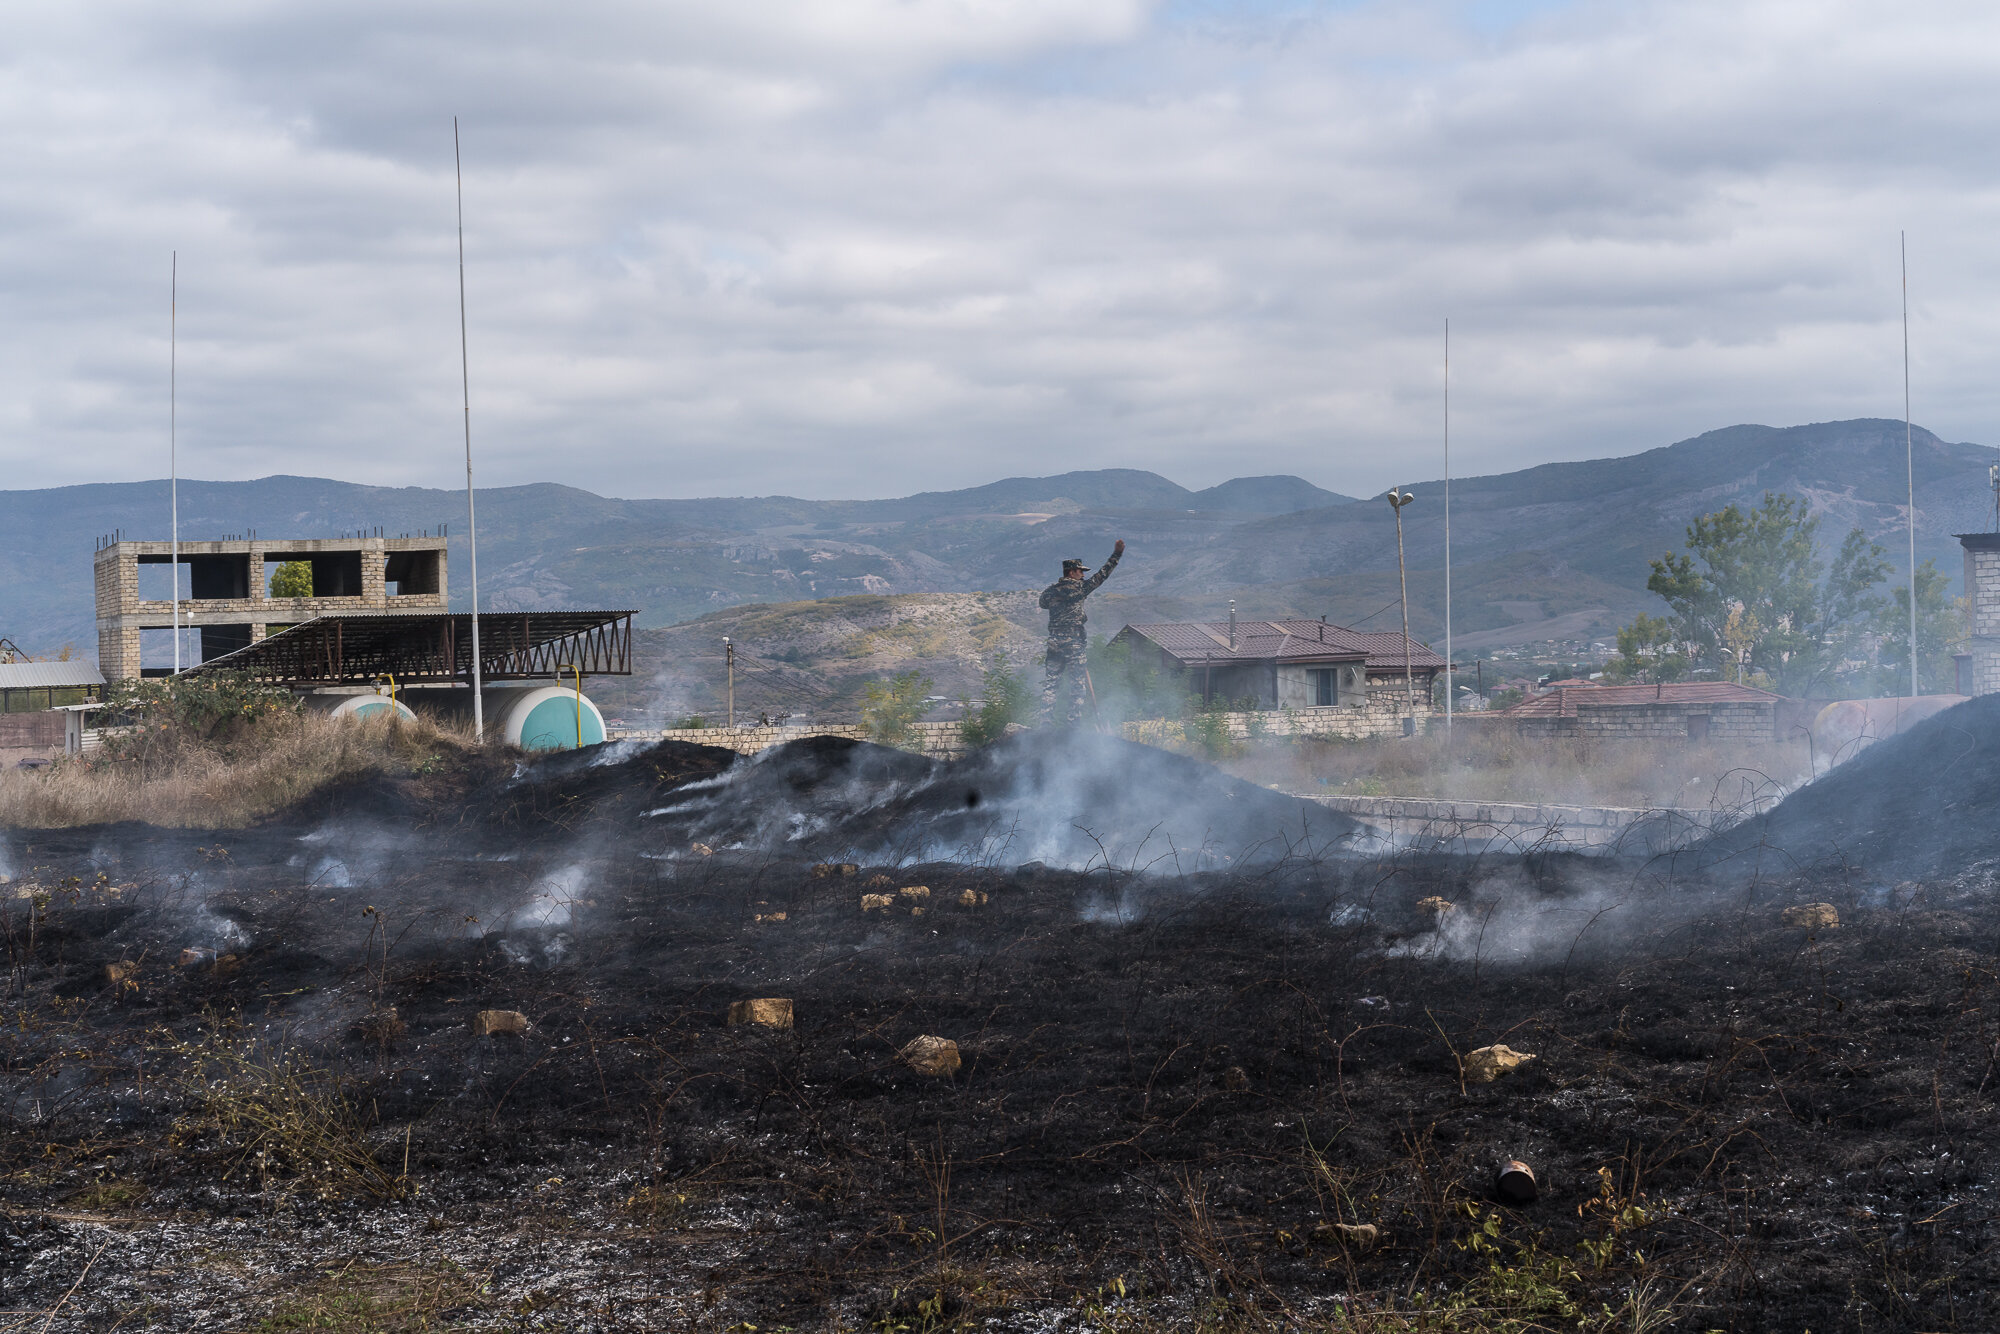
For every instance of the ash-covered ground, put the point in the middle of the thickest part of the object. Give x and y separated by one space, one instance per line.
1201 1041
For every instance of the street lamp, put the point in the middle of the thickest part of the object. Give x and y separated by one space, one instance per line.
1398 499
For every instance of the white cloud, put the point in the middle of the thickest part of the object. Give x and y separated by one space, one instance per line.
877 246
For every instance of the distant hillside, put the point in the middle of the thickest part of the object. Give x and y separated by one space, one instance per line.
811 659
1557 551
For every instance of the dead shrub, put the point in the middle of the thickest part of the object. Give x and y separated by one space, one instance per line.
276 1113
231 778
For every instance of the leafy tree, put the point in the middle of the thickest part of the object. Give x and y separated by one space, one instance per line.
1649 650
292 579
1941 626
888 708
1005 697
1751 595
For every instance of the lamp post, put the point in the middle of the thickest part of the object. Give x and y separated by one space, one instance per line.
1398 499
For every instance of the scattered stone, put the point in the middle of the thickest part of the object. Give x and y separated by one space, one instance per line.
767 1012
194 956
870 902
1437 907
1516 1183
930 1055
1813 917
971 898
225 964
1348 1236
702 849
877 881
1236 1080
917 911
822 870
770 917
915 892
499 1023
124 973
1487 1064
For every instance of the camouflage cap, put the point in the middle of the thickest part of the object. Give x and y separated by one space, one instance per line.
1073 564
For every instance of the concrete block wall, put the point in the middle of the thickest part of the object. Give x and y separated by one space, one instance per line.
943 741
1381 716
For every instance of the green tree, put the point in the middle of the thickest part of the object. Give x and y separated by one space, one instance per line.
1941 627
1751 595
888 708
1004 697
1649 650
292 579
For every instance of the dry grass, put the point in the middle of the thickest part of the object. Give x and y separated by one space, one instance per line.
1478 766
282 760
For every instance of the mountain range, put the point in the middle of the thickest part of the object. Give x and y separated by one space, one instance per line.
1557 551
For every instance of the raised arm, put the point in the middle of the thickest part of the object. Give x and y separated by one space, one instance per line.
1091 584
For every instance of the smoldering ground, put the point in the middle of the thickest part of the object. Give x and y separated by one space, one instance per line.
1170 1078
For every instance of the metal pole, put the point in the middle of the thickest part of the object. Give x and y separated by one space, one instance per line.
1398 499
173 448
1449 684
729 656
465 384
1909 458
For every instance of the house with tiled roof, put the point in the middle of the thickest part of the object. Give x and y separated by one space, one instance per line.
1288 664
1678 710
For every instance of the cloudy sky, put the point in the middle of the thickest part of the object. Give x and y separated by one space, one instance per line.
869 247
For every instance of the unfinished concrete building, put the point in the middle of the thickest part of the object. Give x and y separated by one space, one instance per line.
228 600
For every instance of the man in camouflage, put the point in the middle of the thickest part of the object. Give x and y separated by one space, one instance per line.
1069 644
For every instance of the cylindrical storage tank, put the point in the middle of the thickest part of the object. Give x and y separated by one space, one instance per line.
359 706
542 717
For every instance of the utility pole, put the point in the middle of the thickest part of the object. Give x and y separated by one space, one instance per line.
1450 666
729 657
1398 499
173 448
465 385
1909 457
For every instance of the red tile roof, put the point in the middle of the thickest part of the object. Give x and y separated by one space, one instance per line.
1562 703
1287 641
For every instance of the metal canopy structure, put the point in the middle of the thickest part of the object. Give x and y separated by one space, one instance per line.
418 648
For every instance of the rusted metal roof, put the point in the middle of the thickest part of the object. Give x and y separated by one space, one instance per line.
1197 642
42 675
1562 703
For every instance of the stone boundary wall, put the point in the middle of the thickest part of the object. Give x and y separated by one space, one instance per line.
1444 823
1381 716
942 741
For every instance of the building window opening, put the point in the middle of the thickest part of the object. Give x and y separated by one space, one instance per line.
1326 686
156 582
291 578
412 573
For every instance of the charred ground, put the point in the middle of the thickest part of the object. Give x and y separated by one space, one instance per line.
1172 1083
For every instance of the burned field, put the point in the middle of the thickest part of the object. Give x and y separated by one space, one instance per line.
462 1057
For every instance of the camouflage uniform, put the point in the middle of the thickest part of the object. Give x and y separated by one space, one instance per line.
1069 642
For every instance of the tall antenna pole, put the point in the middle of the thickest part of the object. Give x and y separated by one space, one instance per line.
1449 683
1909 458
465 383
173 447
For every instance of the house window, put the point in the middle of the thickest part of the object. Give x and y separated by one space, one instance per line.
1326 685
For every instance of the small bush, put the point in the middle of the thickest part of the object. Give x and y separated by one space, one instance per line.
888 708
1004 698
